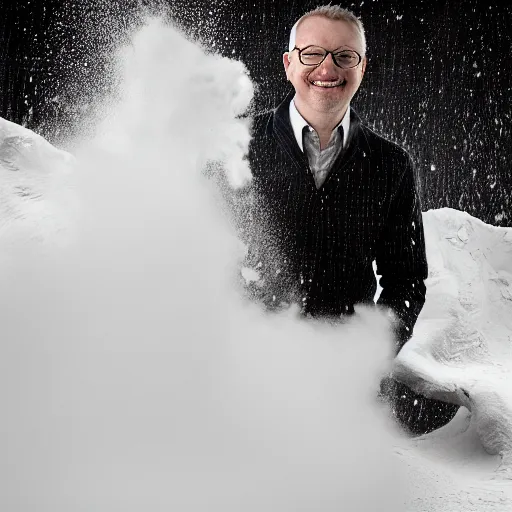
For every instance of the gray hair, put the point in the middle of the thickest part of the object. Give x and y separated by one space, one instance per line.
332 12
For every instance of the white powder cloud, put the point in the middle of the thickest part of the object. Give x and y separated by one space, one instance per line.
134 376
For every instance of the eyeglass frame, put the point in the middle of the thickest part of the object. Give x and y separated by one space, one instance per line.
327 52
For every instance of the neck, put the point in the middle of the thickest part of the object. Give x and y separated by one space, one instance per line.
322 122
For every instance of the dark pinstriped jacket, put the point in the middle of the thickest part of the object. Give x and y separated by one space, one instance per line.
316 246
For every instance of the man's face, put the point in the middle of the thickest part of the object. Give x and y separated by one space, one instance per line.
314 84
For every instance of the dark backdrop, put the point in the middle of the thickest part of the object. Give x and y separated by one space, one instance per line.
439 78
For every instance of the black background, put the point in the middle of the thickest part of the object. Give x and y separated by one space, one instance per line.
438 81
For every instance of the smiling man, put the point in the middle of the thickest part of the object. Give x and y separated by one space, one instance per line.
325 80
331 198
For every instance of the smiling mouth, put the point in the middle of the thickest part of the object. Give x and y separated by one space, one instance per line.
329 84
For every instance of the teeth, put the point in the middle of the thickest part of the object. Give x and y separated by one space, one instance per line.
320 83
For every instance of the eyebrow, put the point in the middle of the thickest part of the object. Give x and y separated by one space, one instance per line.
345 47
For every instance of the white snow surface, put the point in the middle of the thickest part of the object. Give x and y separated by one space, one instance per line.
33 201
135 377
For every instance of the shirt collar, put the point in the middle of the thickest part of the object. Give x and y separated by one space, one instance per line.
298 123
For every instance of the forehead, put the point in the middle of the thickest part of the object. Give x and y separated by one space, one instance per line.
330 34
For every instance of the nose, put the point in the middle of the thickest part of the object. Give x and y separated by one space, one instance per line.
329 58
327 64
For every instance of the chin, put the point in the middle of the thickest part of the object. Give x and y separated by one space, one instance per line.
330 98
329 105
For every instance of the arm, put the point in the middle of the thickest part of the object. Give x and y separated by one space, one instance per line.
401 258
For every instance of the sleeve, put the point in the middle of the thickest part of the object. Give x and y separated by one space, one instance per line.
401 256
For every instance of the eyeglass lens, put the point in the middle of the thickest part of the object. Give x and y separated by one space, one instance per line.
314 55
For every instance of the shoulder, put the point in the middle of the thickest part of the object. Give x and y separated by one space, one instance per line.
383 147
262 141
262 136
261 123
387 157
378 145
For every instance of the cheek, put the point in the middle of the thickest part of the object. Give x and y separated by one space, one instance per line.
354 79
303 75
297 77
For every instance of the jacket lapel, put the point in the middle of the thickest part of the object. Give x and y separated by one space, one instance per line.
285 137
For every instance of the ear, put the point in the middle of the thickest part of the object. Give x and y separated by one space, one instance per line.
363 66
286 61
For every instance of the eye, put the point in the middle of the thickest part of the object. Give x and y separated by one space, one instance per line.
313 51
345 56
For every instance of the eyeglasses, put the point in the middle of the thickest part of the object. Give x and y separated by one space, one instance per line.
315 55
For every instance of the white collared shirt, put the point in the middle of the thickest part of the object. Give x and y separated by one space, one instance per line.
320 160
298 123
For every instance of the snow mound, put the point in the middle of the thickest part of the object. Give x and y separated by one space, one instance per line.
461 351
33 201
